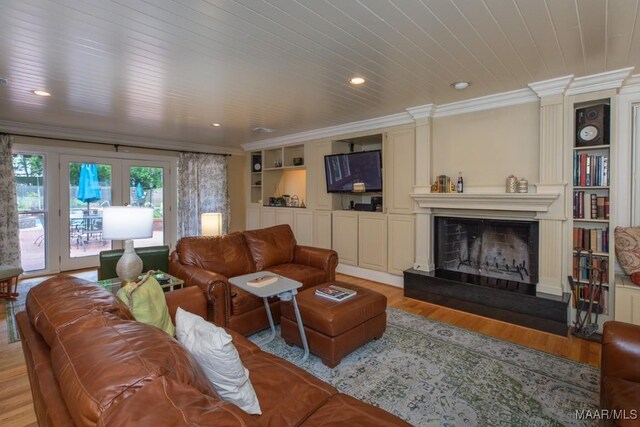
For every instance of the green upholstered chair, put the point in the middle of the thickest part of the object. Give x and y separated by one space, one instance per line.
153 258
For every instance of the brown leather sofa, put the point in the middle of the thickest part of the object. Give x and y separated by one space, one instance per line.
620 374
208 262
91 364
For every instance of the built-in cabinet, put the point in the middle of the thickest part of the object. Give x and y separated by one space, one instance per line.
592 147
345 236
380 241
399 150
322 229
627 301
372 241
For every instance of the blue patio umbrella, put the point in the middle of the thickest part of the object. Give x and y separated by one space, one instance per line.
139 191
88 184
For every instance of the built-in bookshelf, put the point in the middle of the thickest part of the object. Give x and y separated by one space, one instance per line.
591 205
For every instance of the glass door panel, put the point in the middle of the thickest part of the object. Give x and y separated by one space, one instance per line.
146 188
87 186
32 211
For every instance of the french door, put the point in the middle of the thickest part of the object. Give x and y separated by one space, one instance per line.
88 185
63 191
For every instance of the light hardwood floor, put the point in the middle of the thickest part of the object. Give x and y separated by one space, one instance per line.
16 407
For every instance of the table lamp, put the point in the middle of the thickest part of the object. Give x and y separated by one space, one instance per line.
127 223
211 224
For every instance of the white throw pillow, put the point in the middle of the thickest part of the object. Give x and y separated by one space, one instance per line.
212 348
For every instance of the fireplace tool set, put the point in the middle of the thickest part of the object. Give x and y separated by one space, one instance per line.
587 292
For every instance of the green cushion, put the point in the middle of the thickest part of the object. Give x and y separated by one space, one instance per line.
153 258
146 302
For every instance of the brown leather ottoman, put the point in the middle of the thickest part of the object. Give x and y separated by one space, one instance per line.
335 328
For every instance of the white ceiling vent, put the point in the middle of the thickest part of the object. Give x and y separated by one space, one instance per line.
260 129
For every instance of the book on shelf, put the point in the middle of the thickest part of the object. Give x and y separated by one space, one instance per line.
263 280
336 293
594 239
590 170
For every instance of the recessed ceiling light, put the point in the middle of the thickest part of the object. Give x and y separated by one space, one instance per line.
460 85
216 125
357 80
41 93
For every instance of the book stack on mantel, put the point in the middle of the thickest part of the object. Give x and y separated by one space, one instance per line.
335 293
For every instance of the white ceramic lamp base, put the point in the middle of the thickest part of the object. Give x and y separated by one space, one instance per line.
129 265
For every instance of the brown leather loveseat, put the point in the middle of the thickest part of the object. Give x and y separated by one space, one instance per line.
91 364
620 374
208 262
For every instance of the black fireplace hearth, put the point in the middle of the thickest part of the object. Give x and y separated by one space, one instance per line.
502 299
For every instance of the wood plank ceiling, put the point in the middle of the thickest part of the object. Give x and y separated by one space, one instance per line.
167 69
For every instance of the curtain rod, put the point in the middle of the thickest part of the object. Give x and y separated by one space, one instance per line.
116 146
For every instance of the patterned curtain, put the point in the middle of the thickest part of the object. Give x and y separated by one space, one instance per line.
9 230
202 188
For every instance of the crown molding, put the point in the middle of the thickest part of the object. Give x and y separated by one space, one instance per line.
81 135
422 111
551 87
631 85
505 99
602 81
339 130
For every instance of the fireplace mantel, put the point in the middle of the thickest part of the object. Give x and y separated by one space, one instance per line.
529 202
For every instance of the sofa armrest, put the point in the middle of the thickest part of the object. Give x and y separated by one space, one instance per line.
324 259
191 299
620 351
215 287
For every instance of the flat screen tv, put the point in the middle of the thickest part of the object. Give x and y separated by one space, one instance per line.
342 171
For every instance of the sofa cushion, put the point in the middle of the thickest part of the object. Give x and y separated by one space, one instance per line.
211 346
271 246
344 410
228 255
101 359
308 276
287 394
242 301
174 404
628 250
147 303
62 300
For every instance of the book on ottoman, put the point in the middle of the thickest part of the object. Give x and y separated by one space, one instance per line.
335 293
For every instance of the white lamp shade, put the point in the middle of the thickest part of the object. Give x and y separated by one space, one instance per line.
211 224
127 222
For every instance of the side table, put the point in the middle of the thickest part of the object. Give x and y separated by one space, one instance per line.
113 285
285 289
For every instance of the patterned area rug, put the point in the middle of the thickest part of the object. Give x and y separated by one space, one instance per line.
13 307
431 373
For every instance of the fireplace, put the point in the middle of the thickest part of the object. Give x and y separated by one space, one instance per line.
501 252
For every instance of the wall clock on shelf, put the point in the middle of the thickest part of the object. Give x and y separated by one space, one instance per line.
256 162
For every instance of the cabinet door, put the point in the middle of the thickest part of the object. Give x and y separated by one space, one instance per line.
401 243
372 241
303 226
345 236
399 170
322 229
253 218
627 308
284 216
268 217
317 195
